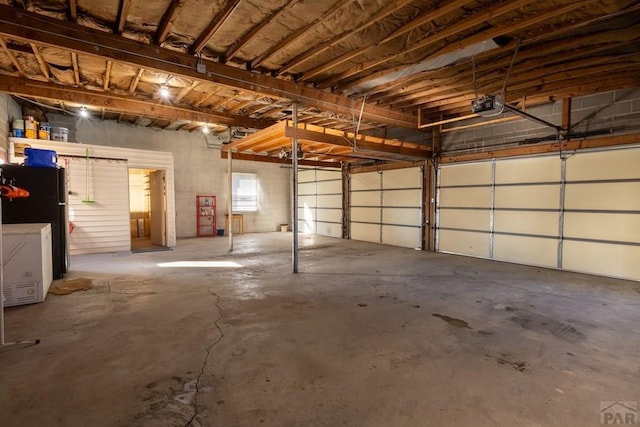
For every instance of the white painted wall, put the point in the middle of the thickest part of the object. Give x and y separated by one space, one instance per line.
9 109
198 170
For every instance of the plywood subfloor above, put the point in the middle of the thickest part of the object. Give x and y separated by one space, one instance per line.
321 146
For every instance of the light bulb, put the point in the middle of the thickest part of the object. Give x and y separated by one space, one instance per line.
164 92
205 129
84 112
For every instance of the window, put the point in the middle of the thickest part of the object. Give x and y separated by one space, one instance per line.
245 192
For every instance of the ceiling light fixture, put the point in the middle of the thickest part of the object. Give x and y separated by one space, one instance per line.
164 91
205 130
84 112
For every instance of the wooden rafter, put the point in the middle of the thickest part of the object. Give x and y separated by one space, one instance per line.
315 51
28 26
134 83
123 12
76 69
44 68
451 30
246 38
242 105
185 91
224 101
205 97
214 26
12 57
72 10
121 103
464 25
163 28
107 76
297 34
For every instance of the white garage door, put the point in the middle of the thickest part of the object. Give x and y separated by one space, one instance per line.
579 212
320 202
386 207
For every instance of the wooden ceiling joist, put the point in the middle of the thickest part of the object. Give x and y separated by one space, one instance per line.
30 27
44 68
114 102
107 76
12 57
246 38
214 26
123 12
76 69
163 28
134 82
269 159
72 10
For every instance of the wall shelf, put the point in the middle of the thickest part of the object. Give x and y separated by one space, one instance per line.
206 216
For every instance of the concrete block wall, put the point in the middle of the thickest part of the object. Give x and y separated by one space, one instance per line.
198 170
612 113
9 110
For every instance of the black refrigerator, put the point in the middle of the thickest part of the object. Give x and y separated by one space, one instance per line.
47 202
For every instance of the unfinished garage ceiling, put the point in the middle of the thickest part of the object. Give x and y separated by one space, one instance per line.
365 64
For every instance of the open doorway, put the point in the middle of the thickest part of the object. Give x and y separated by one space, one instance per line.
147 209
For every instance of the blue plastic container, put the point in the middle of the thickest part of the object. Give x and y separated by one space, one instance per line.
40 158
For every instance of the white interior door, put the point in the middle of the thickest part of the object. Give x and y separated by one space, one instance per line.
157 199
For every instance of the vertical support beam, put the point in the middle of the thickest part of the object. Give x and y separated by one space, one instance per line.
425 209
294 193
566 118
230 199
491 207
431 206
346 202
563 186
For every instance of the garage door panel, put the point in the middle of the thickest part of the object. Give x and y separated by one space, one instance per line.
603 226
324 175
402 198
307 201
329 201
402 178
306 227
603 259
365 181
306 176
617 164
331 230
329 187
603 196
466 174
365 198
401 216
365 232
527 170
465 219
306 188
329 215
479 197
464 242
527 222
528 196
401 236
526 250
365 215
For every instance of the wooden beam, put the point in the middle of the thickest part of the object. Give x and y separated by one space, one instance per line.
214 26
76 69
163 28
314 52
44 68
123 11
362 146
185 90
246 38
12 57
72 10
480 124
385 167
576 144
107 76
122 103
269 159
292 37
51 32
134 82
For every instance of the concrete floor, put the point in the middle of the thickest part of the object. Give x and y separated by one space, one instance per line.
365 335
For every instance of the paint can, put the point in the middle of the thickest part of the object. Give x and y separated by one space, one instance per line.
44 130
60 134
17 128
30 127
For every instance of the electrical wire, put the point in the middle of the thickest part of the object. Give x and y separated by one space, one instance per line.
513 60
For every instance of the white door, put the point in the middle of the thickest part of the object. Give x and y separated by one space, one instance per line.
157 196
